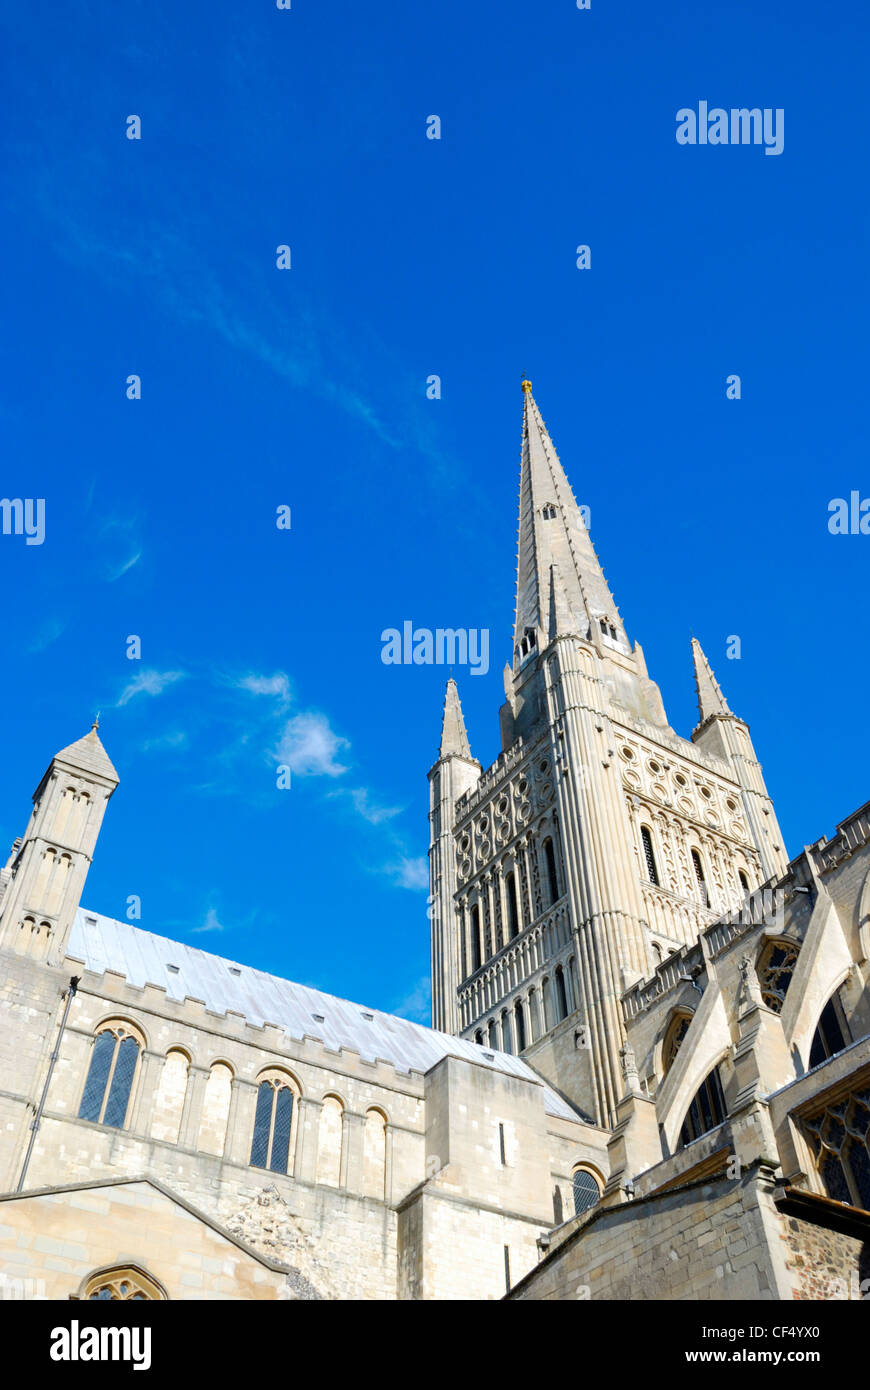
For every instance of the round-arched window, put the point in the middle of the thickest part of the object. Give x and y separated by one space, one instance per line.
586 1190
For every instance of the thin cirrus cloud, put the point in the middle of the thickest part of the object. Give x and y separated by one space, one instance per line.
409 872
166 742
212 923
116 571
309 746
148 682
417 1004
366 805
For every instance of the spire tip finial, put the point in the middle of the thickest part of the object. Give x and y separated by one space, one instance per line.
526 385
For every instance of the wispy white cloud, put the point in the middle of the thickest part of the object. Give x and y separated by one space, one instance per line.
366 805
408 872
211 923
309 746
148 682
176 739
417 1004
115 571
277 685
46 634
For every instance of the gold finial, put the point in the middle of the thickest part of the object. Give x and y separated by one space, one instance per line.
526 385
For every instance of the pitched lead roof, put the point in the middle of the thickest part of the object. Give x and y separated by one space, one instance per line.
101 944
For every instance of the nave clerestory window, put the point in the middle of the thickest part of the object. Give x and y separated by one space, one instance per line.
110 1076
270 1146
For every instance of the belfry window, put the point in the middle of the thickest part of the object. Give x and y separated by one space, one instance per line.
520 1025
110 1076
552 877
839 1136
513 908
652 872
561 994
475 937
273 1120
699 876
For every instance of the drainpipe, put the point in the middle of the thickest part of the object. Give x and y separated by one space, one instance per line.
34 1125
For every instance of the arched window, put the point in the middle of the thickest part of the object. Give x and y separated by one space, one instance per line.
475 937
478 1037
329 1141
587 1190
552 876
832 1033
520 1025
546 1005
273 1120
775 969
839 1136
513 909
110 1075
744 881
492 1033
652 872
706 1111
534 1019
169 1100
375 1154
216 1110
506 1041
561 996
122 1284
676 1031
699 875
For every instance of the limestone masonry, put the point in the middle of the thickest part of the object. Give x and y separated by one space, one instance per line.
649 1075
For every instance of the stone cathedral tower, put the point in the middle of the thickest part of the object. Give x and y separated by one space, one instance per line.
599 841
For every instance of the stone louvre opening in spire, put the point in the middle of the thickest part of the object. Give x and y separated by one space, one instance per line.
552 533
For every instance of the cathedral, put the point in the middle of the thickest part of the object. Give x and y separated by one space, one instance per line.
648 1075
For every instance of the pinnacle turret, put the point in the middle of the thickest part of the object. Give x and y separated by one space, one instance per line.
710 698
454 739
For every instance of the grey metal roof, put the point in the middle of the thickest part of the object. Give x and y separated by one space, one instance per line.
185 972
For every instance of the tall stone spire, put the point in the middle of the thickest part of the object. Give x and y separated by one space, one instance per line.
454 739
710 698
552 533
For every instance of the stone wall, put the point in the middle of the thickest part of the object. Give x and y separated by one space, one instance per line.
826 1264
710 1240
50 1242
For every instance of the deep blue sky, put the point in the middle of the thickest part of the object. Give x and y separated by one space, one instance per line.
307 387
